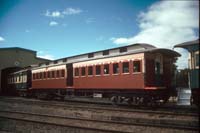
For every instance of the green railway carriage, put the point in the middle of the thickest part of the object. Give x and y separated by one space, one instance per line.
19 82
193 62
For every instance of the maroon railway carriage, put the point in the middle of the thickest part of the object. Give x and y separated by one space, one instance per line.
136 73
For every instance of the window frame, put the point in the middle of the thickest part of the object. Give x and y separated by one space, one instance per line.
34 76
91 71
44 75
38 75
52 74
196 54
116 63
140 68
57 74
83 68
48 74
123 67
41 75
62 71
75 72
107 67
99 74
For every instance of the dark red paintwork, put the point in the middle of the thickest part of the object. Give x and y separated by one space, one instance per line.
126 81
118 81
49 83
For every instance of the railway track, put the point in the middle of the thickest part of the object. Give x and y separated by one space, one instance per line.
54 120
118 125
100 114
122 109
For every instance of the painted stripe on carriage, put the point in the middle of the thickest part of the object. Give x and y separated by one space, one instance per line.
154 88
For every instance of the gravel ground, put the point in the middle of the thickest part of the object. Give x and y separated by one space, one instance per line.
9 125
88 113
16 126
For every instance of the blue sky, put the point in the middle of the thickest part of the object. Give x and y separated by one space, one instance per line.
61 28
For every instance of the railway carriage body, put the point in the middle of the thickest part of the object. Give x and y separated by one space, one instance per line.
20 81
48 80
139 72
144 74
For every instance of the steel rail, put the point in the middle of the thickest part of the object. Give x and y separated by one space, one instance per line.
102 108
134 122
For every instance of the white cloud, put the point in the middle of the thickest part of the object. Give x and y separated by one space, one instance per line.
47 56
61 14
71 11
53 23
119 40
54 14
165 24
2 39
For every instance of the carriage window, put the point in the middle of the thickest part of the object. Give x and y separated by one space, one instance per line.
57 73
82 71
125 67
136 66
98 70
197 60
49 76
53 74
115 68
90 71
34 76
62 73
157 68
106 69
44 73
25 78
37 75
76 71
41 75
19 78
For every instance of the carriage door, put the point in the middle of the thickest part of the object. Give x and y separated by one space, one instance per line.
69 74
157 74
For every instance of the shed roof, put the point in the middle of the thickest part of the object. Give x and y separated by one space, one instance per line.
187 44
17 48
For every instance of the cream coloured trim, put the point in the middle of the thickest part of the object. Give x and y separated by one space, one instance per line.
139 56
49 68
